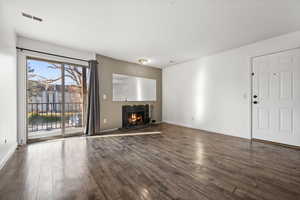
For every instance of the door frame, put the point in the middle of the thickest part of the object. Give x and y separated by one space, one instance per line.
251 94
24 139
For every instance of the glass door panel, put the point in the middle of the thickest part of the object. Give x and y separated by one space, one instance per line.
75 98
44 99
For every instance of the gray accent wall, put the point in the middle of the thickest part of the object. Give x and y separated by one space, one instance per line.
112 111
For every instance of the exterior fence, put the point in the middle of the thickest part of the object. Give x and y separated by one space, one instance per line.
49 116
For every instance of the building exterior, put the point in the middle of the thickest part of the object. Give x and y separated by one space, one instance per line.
48 99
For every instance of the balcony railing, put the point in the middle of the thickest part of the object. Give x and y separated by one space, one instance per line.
49 116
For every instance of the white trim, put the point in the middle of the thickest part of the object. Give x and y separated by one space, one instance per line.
250 99
179 124
22 99
108 130
200 129
8 155
160 122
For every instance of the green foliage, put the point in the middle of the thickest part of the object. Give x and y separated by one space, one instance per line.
43 118
35 118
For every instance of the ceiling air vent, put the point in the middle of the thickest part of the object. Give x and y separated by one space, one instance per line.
37 19
27 15
32 17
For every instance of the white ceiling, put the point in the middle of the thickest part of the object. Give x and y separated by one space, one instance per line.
160 30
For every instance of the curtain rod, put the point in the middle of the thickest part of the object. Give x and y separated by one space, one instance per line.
50 54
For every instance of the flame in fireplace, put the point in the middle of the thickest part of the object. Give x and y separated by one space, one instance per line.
134 117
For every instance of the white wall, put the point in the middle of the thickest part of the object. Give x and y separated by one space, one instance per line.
8 91
37 45
213 93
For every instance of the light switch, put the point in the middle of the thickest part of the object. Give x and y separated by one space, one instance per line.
104 97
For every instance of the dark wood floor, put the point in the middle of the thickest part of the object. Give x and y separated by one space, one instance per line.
180 164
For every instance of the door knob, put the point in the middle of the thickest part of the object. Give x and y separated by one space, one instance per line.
255 102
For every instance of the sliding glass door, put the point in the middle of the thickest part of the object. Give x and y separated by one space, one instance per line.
56 98
74 98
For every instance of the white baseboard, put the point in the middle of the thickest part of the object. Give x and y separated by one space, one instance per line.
158 122
8 155
179 124
200 129
108 130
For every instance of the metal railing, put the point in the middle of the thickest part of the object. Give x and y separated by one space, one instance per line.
49 116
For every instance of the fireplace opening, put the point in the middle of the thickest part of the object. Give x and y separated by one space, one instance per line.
136 116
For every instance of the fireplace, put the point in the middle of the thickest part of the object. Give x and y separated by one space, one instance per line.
136 116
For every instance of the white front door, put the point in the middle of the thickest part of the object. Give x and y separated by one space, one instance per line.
276 97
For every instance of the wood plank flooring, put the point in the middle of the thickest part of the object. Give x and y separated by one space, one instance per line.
179 164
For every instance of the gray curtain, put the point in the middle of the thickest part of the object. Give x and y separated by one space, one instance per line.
92 126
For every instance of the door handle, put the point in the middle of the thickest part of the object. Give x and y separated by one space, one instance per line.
255 96
255 102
